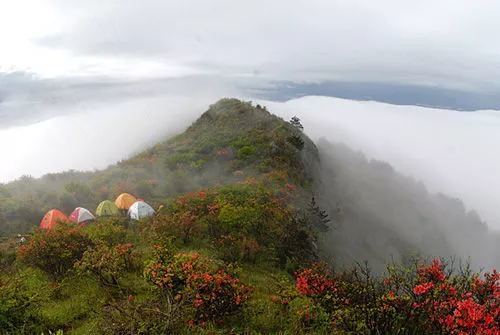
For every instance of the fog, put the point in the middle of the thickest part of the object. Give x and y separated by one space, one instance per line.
451 152
383 216
92 138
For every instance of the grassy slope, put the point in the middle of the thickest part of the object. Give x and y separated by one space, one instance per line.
232 142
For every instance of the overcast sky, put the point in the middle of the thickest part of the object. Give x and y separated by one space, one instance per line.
452 43
54 51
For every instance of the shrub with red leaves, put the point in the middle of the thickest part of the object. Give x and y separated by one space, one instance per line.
423 300
317 283
456 309
215 295
199 282
314 282
55 251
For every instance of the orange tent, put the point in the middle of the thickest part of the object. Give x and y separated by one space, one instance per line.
124 201
51 218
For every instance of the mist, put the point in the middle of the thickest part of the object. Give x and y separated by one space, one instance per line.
450 152
384 216
89 139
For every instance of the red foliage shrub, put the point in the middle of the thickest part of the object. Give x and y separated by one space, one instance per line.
432 273
198 281
314 282
55 251
425 300
457 309
215 295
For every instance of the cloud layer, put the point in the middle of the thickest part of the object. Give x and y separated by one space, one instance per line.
87 139
451 152
446 43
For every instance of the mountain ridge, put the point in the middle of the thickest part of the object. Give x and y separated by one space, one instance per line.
257 230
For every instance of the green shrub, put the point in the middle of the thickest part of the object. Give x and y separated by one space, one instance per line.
246 152
108 231
234 248
18 308
130 316
307 317
107 264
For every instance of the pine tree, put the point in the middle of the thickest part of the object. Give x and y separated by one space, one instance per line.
295 121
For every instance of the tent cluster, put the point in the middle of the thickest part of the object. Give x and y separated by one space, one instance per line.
136 209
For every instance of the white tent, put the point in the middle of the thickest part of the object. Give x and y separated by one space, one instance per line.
80 215
140 210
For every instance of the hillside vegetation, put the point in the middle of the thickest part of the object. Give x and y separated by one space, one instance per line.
239 244
230 142
387 216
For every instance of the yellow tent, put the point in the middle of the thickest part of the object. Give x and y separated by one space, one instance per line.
124 201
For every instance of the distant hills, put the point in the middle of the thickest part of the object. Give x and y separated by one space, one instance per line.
426 96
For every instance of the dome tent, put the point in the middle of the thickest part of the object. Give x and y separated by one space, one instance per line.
107 208
124 201
51 218
80 215
140 210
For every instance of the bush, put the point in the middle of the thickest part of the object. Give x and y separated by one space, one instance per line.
199 283
183 218
7 258
234 248
182 225
315 282
215 295
421 300
133 317
243 222
246 152
107 231
107 263
18 308
306 317
55 251
170 272
452 307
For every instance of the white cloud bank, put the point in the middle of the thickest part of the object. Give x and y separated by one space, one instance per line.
92 139
455 153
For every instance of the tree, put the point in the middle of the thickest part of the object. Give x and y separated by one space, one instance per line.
296 141
296 138
295 121
319 217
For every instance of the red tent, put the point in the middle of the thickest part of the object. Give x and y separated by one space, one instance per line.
52 218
